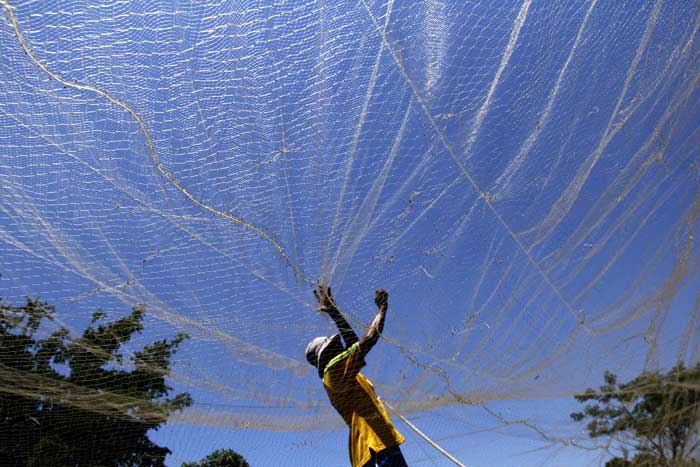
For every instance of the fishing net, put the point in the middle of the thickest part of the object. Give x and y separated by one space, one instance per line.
522 177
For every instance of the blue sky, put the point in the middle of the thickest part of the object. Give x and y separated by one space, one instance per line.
479 440
522 177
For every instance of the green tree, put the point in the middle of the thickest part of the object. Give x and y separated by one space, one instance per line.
77 401
656 417
220 458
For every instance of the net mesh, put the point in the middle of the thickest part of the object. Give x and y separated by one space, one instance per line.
522 177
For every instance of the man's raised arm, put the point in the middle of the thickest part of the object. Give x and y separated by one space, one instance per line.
381 299
326 304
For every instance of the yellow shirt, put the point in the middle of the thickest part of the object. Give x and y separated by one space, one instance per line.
353 396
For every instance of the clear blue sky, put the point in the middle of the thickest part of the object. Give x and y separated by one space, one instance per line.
479 441
521 177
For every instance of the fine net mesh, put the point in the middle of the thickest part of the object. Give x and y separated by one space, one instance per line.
522 177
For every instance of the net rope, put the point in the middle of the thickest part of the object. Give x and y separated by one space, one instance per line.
522 178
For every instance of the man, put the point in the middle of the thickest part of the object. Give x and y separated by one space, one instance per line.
373 439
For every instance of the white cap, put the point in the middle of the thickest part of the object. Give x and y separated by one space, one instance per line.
316 348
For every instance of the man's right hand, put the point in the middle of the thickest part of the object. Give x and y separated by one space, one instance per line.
381 298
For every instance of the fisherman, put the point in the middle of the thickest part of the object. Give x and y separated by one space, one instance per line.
373 439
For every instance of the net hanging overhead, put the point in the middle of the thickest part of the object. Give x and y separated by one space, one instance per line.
522 177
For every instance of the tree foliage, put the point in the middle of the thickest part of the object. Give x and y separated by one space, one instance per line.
77 401
656 417
220 458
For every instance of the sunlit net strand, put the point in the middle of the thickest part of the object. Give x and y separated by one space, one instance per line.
505 373
567 199
151 147
162 311
106 403
524 357
690 87
662 299
462 167
121 406
637 165
153 153
201 380
618 313
351 157
651 23
166 314
169 176
505 178
183 226
658 205
532 351
425 437
678 100
424 211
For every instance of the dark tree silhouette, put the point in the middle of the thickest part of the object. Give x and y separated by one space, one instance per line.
77 401
220 458
655 417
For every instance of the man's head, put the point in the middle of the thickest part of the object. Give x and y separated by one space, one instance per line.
321 350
